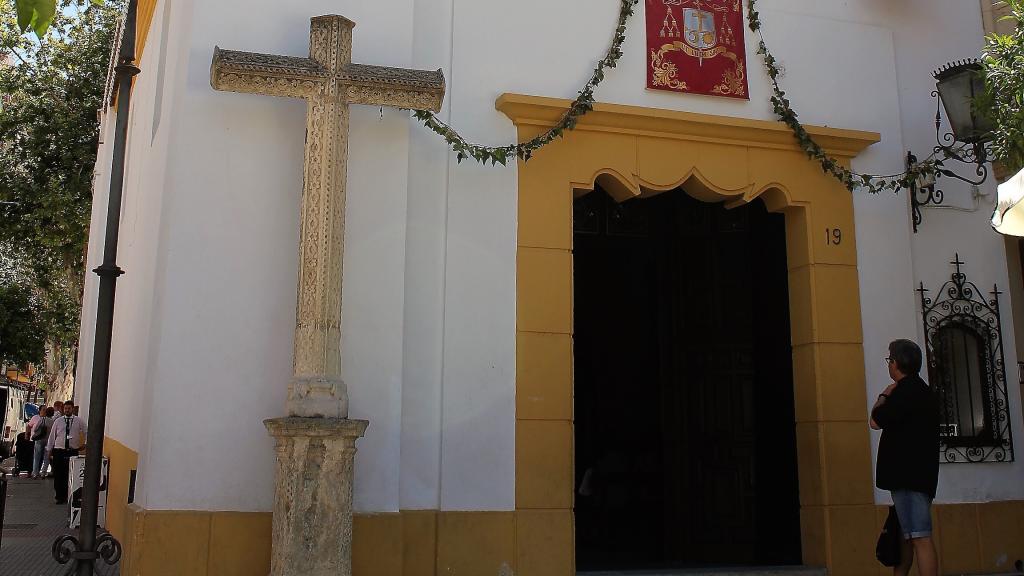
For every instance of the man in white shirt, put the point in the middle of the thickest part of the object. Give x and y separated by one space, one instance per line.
67 437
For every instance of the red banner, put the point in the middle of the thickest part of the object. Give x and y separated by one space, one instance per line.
697 47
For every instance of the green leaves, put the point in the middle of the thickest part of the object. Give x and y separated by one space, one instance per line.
1003 101
782 106
36 14
784 110
753 18
22 329
49 131
26 11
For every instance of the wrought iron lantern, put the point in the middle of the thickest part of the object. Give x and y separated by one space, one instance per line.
957 86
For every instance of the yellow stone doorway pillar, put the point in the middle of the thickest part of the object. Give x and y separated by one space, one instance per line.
633 151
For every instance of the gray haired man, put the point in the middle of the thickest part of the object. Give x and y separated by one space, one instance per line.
907 413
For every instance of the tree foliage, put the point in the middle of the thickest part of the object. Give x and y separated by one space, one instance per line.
52 87
1003 68
37 15
22 330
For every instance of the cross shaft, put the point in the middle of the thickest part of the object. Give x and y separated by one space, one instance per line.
329 82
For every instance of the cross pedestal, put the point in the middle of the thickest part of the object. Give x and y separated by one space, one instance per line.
312 531
312 526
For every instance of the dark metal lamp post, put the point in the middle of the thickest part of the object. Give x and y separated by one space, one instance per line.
88 548
958 84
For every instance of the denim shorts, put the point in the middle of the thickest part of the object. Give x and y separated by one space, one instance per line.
914 509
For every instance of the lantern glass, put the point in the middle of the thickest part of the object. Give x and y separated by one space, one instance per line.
958 86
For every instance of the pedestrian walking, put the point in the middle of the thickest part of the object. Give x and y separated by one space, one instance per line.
42 423
58 411
34 420
67 437
907 413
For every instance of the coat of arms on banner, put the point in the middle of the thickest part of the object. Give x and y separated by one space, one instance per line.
697 47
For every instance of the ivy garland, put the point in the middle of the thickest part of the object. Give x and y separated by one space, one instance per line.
584 102
928 167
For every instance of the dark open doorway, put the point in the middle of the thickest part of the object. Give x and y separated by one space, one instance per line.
684 420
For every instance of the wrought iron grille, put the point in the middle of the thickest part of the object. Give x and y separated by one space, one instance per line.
964 345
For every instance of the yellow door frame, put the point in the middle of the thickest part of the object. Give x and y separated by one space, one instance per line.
632 151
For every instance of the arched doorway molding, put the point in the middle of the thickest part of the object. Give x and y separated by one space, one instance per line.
621 188
632 151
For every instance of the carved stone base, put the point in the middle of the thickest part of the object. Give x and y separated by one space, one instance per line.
312 525
317 397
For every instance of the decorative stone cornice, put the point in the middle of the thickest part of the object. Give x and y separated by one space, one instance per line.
293 76
541 111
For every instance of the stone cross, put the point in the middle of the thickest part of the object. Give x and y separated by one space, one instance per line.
329 82
315 445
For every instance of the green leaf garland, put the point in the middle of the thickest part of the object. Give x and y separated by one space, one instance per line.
584 103
930 167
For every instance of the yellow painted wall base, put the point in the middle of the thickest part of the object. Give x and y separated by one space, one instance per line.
981 538
196 543
972 539
122 461
411 543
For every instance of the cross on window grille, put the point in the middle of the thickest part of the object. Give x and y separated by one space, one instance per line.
963 341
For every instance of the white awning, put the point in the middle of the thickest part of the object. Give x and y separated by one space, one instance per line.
1009 215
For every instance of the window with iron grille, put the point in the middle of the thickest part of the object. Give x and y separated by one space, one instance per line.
964 346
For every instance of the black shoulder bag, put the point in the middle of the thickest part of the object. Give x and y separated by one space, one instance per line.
890 541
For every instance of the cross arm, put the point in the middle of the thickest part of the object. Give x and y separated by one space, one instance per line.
397 87
272 75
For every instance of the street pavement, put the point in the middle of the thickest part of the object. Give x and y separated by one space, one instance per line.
31 523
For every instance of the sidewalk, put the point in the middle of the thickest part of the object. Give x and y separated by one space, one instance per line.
31 524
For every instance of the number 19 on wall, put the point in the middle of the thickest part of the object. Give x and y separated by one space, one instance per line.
833 236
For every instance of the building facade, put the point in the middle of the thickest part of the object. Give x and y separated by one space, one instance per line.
503 378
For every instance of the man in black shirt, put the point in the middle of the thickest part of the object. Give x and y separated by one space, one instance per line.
907 413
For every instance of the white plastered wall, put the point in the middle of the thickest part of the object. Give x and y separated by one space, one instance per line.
862 65
933 35
230 286
203 344
140 248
